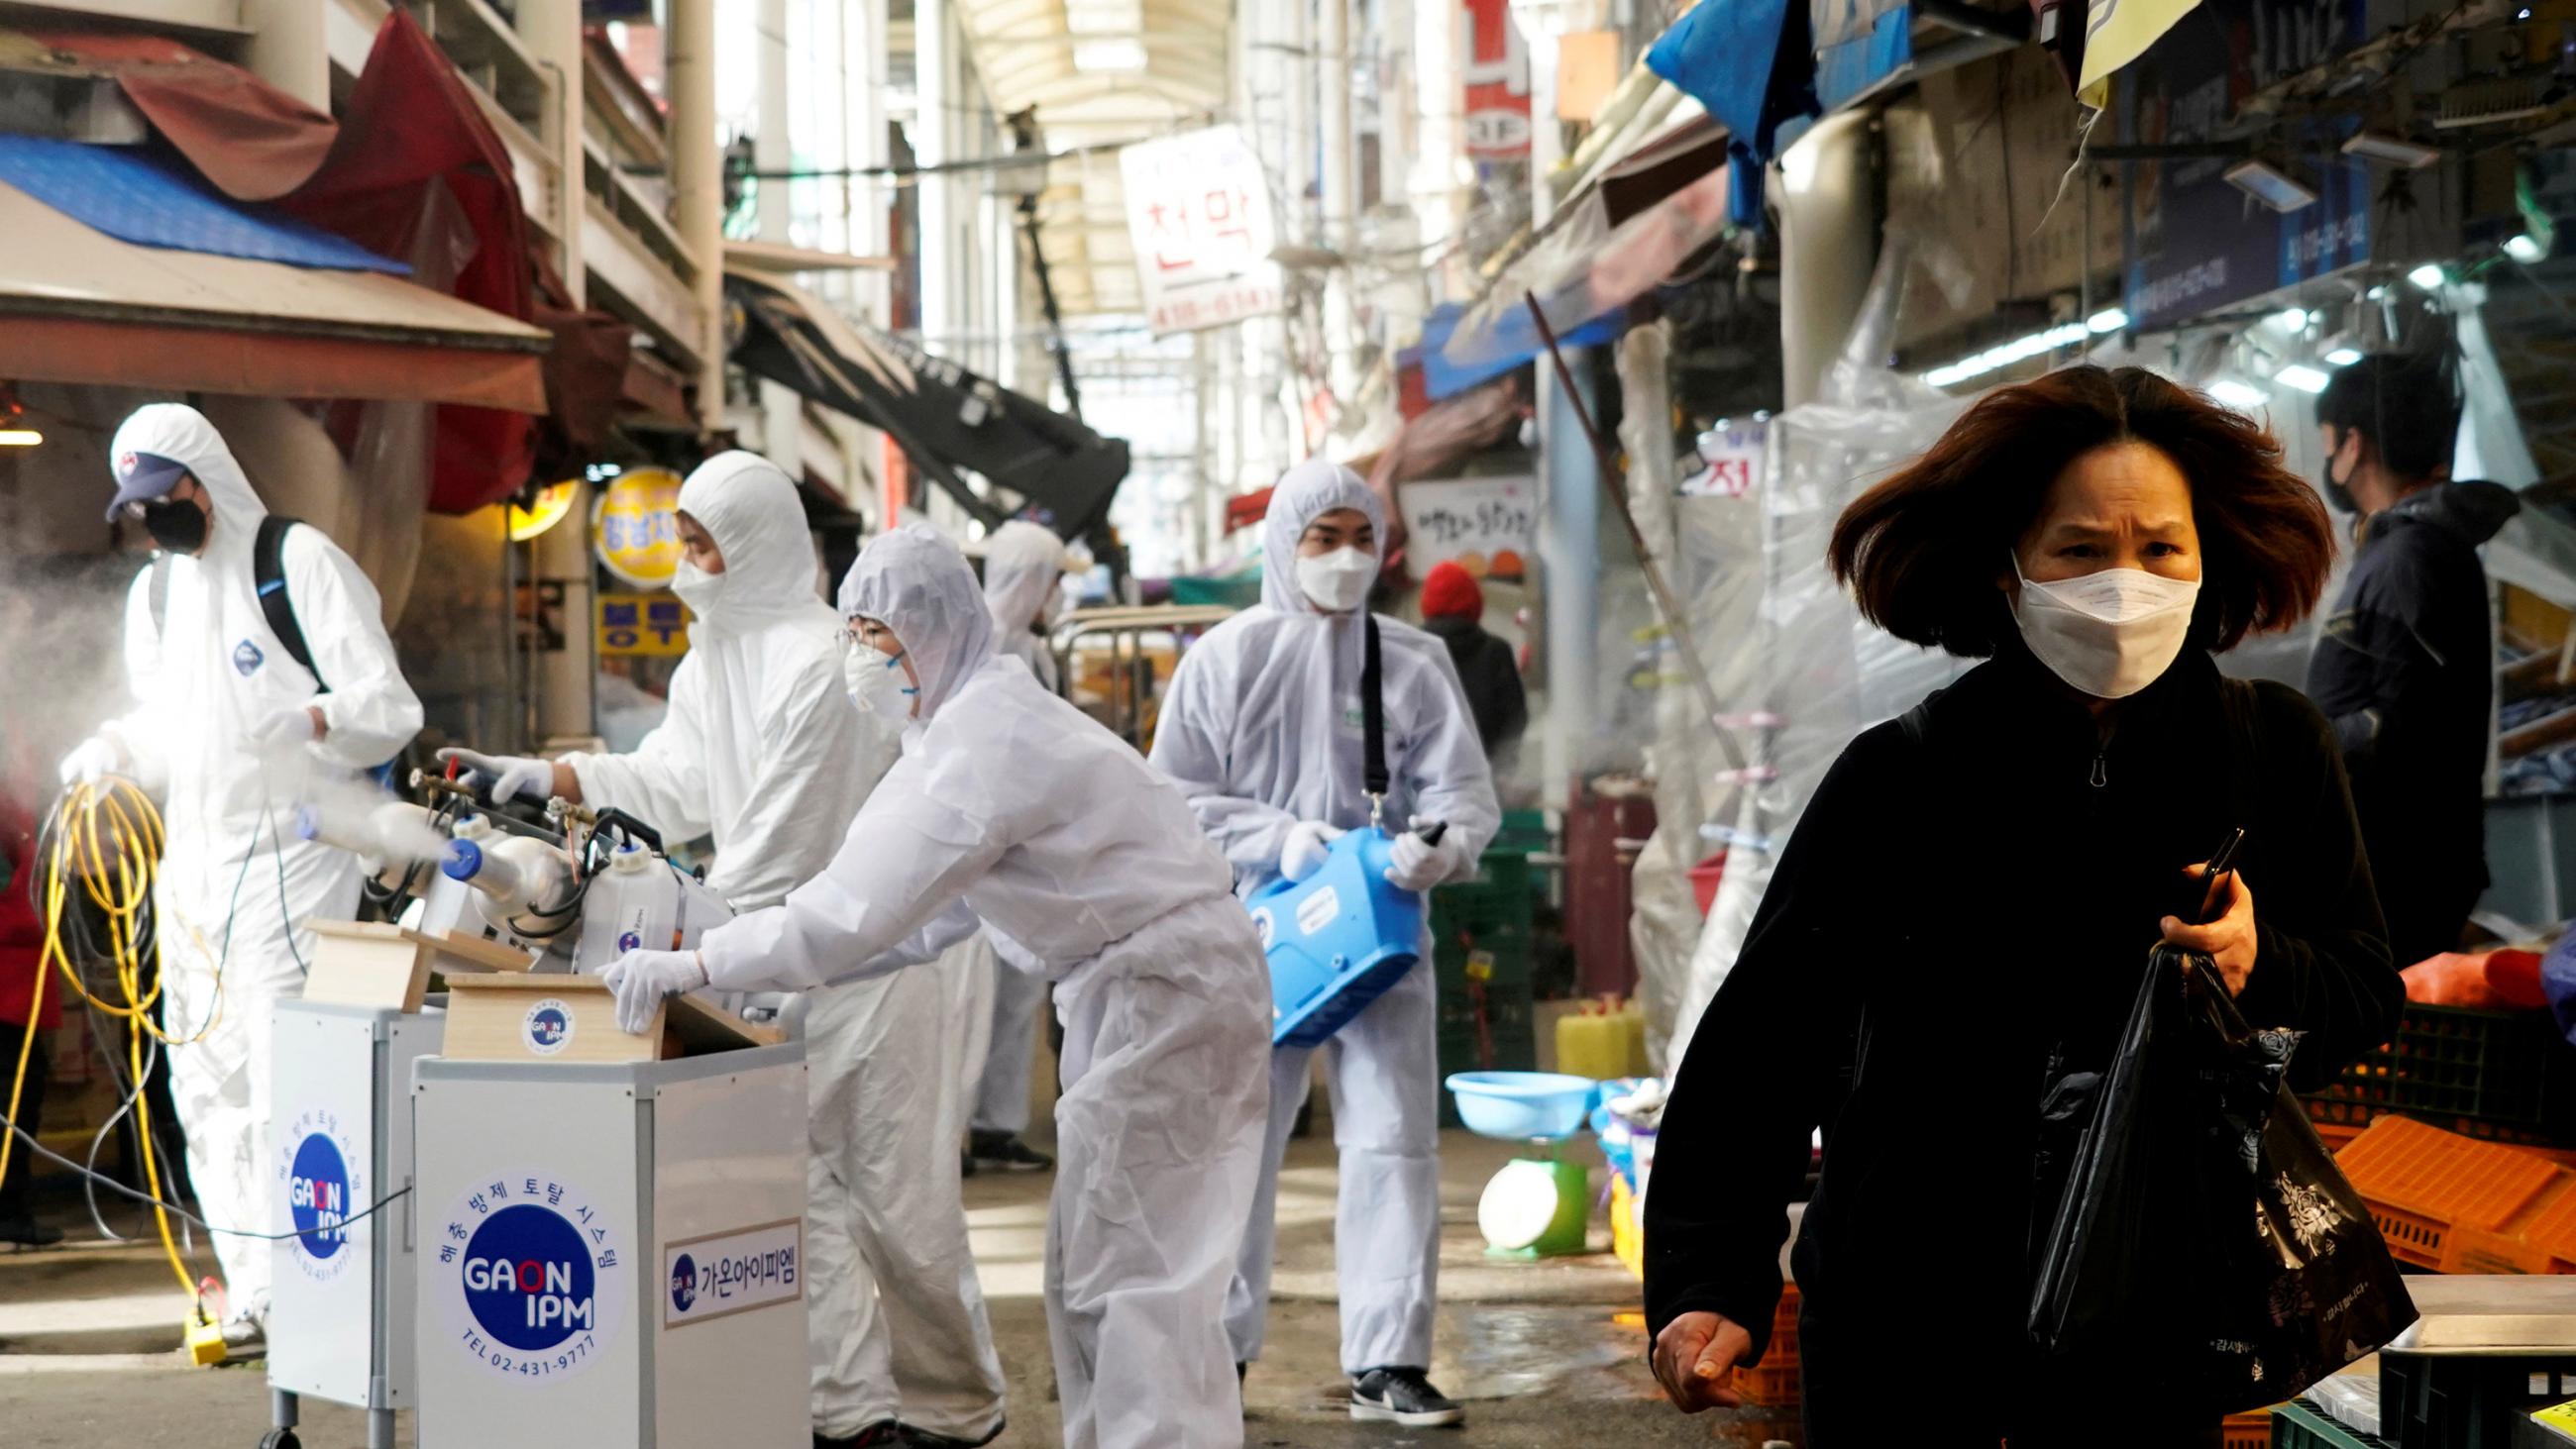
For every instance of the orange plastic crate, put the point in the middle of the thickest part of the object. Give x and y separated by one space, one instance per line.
2458 1205
1774 1384
2247 1431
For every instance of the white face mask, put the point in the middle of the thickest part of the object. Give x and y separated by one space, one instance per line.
1337 582
2109 634
876 682
697 588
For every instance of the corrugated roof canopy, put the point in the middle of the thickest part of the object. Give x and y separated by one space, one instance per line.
1100 71
77 305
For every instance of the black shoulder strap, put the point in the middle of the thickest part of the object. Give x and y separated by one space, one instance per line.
1373 776
268 572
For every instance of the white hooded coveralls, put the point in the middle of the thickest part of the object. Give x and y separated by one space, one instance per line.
1263 730
238 893
1086 866
1022 562
762 750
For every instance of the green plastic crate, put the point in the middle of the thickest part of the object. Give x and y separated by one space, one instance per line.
1498 899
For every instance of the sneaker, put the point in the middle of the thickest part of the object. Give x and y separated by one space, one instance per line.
1402 1396
1005 1152
29 1233
925 1439
883 1434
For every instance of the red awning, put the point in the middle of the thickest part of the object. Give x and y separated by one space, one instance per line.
252 140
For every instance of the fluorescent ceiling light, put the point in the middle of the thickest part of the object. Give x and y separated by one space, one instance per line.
2427 276
2020 349
2241 396
1120 53
2302 377
20 438
2293 320
2343 357
2394 150
2271 185
2525 249
2108 320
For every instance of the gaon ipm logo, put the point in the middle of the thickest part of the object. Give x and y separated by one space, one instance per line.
629 941
549 1026
529 1280
317 1196
684 1283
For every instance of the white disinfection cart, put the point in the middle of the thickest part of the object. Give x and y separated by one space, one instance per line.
341 1315
611 1253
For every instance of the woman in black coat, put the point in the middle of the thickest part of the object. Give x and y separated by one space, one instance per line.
1983 882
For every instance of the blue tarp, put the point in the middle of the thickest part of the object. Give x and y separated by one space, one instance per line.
149 200
1442 378
1753 65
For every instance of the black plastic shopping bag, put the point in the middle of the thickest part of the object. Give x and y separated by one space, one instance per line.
2202 1242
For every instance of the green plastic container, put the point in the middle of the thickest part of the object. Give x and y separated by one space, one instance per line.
2298 1425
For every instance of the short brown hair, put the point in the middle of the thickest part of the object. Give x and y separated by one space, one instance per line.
1921 550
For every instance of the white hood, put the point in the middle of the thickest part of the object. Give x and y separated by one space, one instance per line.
1021 564
916 583
752 511
1304 493
181 434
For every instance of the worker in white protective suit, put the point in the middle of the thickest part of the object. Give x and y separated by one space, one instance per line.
762 750
1023 564
229 729
1012 809
1263 730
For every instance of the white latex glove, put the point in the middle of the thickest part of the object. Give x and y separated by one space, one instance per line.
95 760
1414 866
510 775
642 978
283 730
1308 843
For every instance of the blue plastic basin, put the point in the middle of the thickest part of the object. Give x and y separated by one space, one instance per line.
1522 1106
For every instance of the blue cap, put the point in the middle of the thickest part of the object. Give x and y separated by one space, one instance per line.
143 477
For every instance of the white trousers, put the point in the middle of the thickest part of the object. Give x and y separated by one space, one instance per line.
1382 1072
896 1315
1002 1091
1158 1140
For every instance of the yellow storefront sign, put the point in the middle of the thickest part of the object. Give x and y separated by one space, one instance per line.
635 527
645 624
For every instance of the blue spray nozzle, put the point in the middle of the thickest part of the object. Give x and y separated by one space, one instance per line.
464 860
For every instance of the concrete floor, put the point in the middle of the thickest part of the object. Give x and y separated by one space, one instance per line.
1542 1353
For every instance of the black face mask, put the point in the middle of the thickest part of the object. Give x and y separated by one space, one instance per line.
176 526
2336 491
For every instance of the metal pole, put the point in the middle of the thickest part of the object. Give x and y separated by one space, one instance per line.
1046 299
697 185
1675 618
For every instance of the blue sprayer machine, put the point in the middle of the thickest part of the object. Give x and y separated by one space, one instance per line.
1337 939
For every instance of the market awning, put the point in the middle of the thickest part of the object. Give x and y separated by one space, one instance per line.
942 416
1647 214
83 307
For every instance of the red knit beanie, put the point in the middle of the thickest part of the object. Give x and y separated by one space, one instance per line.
1451 593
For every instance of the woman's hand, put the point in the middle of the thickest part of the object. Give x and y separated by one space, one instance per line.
2229 940
1695 1359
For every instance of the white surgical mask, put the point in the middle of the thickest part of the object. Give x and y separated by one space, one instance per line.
1337 582
697 588
876 681
2109 634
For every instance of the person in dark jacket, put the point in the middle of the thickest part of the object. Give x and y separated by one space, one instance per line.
1453 608
1982 884
2406 667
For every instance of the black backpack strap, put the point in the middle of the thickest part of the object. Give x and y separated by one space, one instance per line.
268 572
1373 775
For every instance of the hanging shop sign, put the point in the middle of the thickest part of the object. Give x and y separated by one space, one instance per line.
1730 458
2198 242
631 625
1497 73
635 528
542 512
1198 212
1486 526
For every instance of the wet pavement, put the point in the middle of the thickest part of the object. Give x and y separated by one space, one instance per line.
1547 1353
